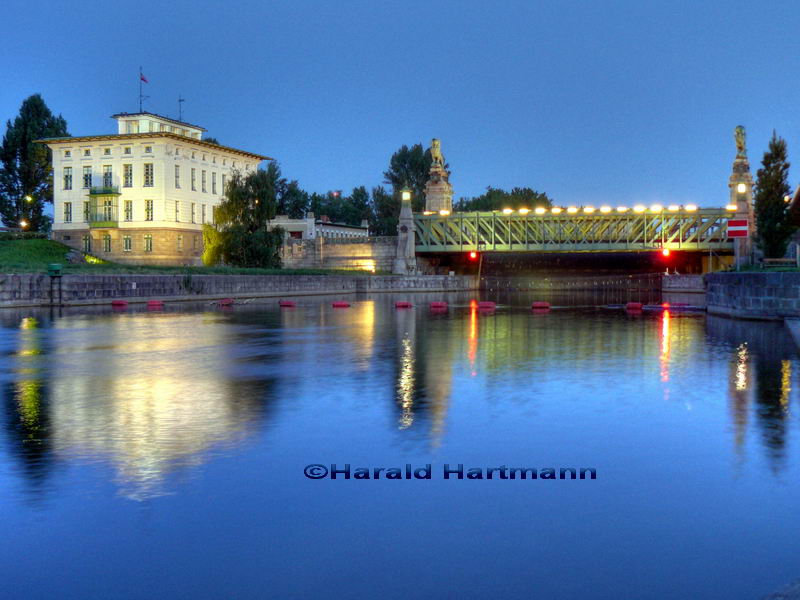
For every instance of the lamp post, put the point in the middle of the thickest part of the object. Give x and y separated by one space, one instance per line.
405 258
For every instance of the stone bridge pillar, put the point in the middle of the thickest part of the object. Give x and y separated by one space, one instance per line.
405 261
740 184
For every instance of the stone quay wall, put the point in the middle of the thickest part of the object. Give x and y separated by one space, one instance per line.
754 295
369 254
35 289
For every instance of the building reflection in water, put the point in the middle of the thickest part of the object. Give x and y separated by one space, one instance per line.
147 393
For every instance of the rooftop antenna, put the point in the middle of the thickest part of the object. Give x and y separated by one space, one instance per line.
180 107
142 79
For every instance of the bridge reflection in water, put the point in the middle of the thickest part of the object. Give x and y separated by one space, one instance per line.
153 395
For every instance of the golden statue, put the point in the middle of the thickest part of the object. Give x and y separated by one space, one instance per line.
741 149
436 151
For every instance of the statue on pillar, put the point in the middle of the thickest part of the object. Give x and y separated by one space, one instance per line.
741 147
438 191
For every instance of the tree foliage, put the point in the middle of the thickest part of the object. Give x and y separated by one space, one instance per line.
774 227
410 167
384 212
498 199
242 235
25 167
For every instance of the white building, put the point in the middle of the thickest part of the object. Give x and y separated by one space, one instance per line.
141 195
311 228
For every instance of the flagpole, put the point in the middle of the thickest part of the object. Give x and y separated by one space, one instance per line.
140 89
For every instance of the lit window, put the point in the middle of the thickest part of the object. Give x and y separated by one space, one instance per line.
106 242
67 212
148 210
127 243
148 174
127 175
67 178
148 243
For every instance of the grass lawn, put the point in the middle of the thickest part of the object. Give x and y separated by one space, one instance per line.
33 256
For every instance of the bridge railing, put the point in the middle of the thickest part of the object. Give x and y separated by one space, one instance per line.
704 229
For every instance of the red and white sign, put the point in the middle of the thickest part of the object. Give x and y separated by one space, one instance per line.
738 228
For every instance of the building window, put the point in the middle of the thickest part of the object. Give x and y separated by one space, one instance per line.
106 242
202 213
67 212
213 183
194 179
87 177
148 174
86 211
193 155
194 242
67 153
127 243
148 243
87 243
109 212
67 178
127 175
106 151
223 184
224 161
148 149
108 176
177 177
192 212
180 243
214 159
127 150
129 210
87 152
177 151
177 210
203 181
204 157
148 210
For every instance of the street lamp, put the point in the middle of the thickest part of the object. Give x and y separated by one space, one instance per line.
28 198
23 223
405 194
741 188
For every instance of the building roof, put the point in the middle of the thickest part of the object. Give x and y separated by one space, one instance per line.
149 114
321 222
154 134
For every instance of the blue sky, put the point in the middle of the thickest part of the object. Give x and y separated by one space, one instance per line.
590 102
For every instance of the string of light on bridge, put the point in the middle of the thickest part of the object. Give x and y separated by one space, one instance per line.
555 210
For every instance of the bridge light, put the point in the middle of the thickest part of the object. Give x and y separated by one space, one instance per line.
588 209
444 213
427 212
556 210
473 255
405 194
540 210
639 208
665 252
605 209
656 208
690 207
673 208
508 211
622 209
741 188
524 211
731 207
787 198
572 210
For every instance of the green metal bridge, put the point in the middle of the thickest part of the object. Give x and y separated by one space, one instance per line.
576 230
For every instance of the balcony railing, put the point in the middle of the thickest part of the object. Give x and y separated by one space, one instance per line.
104 190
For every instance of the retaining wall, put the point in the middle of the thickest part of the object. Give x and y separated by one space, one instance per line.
753 295
35 289
371 254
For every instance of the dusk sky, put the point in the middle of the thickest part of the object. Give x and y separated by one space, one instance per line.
590 102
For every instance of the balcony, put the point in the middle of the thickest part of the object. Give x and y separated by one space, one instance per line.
104 190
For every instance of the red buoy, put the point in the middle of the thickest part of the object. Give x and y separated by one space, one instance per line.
545 305
154 304
119 303
403 304
225 302
438 305
486 305
633 306
287 303
340 304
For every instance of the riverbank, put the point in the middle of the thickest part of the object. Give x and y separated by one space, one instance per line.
749 295
35 289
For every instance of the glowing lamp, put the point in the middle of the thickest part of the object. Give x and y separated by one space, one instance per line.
665 252
473 255
786 198
572 210
28 198
622 209
690 207
605 209
508 211
405 194
23 223
556 210
673 208
639 208
540 210
524 211
730 207
588 209
741 188
444 213
656 208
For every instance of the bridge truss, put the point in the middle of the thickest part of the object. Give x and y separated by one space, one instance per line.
700 230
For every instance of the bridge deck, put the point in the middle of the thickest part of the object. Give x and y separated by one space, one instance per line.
700 230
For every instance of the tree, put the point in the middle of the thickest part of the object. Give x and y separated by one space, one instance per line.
410 167
242 235
498 199
293 201
774 227
26 172
211 140
357 206
384 212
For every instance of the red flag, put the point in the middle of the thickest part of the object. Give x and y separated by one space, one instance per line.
143 78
